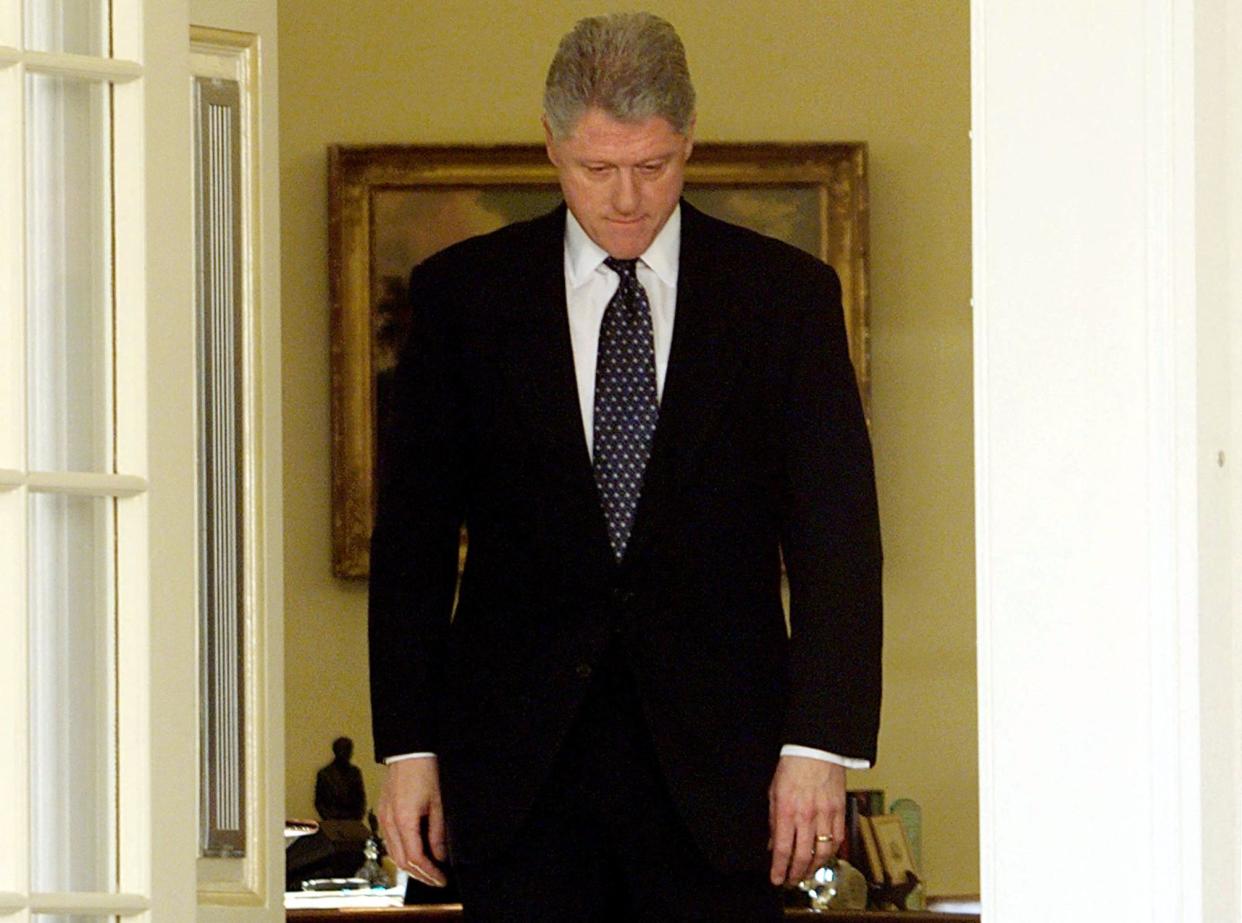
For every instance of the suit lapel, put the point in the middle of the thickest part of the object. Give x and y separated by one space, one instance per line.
701 367
542 363
540 347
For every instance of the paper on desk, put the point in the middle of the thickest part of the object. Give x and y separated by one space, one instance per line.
330 900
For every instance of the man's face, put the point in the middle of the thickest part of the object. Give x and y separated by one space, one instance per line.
621 180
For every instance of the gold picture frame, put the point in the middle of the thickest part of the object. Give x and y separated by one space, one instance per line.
874 869
391 206
893 846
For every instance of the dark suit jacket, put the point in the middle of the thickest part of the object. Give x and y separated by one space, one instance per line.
761 446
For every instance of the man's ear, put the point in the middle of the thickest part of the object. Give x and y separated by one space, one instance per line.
690 136
549 141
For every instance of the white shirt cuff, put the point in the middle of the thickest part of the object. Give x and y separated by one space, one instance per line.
849 762
389 760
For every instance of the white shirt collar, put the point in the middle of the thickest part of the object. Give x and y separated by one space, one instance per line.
585 255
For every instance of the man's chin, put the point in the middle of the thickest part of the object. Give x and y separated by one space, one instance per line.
629 247
624 241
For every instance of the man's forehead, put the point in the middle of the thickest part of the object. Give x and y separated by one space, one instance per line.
597 133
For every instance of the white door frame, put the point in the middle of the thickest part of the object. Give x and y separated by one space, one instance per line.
1102 188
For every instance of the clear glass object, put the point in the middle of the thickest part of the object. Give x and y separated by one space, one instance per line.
821 887
68 291
67 26
835 886
72 722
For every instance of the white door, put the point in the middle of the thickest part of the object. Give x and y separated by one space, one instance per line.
99 678
1107 195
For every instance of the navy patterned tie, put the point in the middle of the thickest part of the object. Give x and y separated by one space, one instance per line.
626 405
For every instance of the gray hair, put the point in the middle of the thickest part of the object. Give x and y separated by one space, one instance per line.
630 65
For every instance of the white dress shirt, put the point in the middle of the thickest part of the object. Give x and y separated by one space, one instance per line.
589 286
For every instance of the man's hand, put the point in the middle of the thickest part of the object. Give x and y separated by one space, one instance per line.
411 793
806 800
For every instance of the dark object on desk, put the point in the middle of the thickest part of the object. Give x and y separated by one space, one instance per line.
895 894
339 791
336 851
419 894
308 857
336 884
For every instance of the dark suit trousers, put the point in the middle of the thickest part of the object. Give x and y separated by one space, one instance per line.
603 842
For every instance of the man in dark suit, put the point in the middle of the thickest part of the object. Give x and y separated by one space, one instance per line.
636 410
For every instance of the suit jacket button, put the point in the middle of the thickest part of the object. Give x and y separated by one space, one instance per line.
583 670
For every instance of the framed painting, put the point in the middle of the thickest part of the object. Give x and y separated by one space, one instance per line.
392 206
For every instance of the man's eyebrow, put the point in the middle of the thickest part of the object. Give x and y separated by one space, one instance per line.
653 160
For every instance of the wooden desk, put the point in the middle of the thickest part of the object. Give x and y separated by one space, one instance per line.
451 913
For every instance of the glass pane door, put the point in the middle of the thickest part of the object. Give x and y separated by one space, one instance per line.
68 289
68 26
71 656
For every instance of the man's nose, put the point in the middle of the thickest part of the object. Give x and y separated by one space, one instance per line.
625 193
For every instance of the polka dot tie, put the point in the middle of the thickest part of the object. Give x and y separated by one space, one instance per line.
626 405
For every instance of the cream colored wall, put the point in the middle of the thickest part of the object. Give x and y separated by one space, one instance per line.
894 73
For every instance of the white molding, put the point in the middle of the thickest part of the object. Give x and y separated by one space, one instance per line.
86 67
249 888
146 701
233 56
1171 311
86 484
134 654
983 476
128 29
1233 431
129 265
1217 122
88 902
162 860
